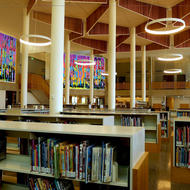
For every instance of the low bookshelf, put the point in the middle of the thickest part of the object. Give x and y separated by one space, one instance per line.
122 165
149 120
182 113
180 154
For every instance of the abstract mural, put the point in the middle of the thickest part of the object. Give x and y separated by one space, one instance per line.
80 75
7 58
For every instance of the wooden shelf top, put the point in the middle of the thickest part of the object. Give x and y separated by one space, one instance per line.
71 129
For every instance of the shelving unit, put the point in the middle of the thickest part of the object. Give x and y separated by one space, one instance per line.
165 125
180 173
150 121
48 118
134 137
183 114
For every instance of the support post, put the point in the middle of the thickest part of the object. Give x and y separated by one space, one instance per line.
112 55
24 69
91 79
143 80
133 67
57 51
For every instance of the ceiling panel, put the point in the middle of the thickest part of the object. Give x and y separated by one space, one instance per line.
124 18
162 3
78 10
139 41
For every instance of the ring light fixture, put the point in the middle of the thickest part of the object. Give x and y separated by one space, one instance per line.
172 57
172 71
85 62
27 42
106 74
165 32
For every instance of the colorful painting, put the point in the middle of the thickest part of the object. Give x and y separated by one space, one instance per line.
80 75
7 58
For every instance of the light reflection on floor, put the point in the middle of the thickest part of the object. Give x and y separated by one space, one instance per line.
159 171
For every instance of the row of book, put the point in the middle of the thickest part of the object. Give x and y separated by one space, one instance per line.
47 184
183 114
82 160
164 133
164 124
132 121
163 116
183 136
182 157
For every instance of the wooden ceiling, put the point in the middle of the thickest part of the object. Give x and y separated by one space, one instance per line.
88 22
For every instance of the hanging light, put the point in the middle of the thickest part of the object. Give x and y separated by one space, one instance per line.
106 74
172 71
85 62
165 32
172 57
27 42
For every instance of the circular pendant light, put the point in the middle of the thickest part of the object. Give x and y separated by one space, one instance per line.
27 42
165 32
106 74
172 71
85 62
171 57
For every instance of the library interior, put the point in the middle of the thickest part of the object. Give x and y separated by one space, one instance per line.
94 94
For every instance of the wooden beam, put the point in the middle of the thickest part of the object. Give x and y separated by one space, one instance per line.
30 5
144 9
72 24
186 44
94 44
103 29
141 28
96 52
73 36
181 10
95 16
161 40
155 46
182 38
120 39
126 48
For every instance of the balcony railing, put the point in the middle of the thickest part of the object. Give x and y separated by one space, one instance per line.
156 85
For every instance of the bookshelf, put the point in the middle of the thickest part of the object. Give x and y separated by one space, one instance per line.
149 120
180 154
59 118
183 113
132 138
165 125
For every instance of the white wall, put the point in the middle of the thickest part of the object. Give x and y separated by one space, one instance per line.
181 100
32 99
2 99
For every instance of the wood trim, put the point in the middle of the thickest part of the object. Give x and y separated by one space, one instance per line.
30 5
94 44
120 39
72 24
144 9
161 40
103 29
95 16
141 173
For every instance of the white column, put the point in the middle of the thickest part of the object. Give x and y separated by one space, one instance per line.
57 51
24 68
91 79
143 79
112 55
67 67
132 67
47 66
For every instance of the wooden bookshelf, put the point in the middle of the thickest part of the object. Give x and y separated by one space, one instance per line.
165 126
131 135
179 174
150 119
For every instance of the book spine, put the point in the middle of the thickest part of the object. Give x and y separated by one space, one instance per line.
81 162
